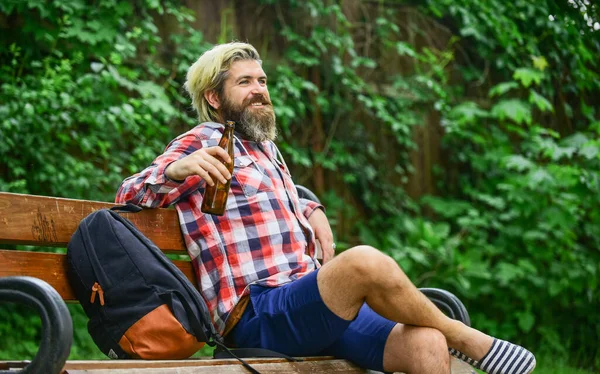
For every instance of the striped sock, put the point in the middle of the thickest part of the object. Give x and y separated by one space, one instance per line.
464 357
502 358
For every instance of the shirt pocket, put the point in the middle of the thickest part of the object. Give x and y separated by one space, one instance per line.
249 177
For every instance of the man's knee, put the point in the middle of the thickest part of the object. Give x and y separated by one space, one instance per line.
369 265
429 352
432 343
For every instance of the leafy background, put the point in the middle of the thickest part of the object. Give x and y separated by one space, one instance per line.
460 137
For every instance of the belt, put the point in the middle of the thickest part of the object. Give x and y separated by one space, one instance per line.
236 314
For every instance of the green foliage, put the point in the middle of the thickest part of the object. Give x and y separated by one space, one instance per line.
513 230
527 215
523 210
81 111
89 95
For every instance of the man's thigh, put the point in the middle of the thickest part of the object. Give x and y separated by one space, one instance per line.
364 341
293 319
290 319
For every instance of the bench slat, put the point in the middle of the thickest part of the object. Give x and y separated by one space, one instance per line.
230 366
192 362
264 365
50 221
322 364
52 268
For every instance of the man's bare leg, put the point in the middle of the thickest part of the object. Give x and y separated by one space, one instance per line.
364 274
412 349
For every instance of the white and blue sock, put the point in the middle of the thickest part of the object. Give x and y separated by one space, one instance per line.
502 358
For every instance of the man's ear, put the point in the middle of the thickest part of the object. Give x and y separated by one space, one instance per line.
212 98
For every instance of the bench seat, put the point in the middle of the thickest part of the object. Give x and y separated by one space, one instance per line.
263 365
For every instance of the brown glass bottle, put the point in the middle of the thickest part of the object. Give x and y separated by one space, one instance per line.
215 196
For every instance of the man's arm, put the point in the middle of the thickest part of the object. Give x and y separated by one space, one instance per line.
181 169
315 213
320 225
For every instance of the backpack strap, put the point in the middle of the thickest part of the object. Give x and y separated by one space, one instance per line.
223 352
127 208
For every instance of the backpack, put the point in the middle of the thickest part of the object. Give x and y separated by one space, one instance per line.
139 304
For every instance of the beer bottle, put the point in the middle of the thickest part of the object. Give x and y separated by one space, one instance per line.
215 196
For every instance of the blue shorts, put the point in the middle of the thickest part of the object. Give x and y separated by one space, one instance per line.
293 319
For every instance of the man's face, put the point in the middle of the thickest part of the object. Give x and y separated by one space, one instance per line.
246 101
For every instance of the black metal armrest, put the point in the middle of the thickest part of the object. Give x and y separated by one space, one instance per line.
305 193
57 326
448 303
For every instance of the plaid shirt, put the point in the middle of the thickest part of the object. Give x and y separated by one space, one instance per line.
264 236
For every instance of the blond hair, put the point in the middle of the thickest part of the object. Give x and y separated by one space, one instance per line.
210 71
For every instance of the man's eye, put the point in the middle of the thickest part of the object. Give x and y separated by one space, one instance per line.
245 81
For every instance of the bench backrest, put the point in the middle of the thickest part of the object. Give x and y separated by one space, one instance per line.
49 222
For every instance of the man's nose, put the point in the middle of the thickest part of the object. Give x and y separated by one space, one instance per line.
258 88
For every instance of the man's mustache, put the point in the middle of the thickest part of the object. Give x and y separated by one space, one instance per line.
258 98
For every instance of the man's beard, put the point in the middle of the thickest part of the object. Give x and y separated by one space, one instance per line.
256 125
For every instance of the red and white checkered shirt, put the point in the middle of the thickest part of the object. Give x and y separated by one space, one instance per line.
264 236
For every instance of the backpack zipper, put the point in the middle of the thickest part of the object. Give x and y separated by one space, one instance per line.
96 288
95 265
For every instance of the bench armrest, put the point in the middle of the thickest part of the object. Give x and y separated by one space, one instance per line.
57 326
305 193
448 303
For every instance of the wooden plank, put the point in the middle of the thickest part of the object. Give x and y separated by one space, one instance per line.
230 366
263 365
192 362
457 366
52 268
50 221
460 367
215 366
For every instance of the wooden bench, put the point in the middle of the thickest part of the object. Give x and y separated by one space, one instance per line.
49 222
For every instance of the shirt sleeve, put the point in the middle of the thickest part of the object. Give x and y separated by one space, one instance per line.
309 206
151 188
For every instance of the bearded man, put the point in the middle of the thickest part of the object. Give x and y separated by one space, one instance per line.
256 264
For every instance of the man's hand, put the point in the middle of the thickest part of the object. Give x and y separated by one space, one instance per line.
205 162
320 225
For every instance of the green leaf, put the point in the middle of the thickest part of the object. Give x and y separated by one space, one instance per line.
493 201
590 151
576 140
467 112
526 321
555 287
539 177
518 163
526 76
405 49
516 110
539 62
540 101
446 207
96 67
506 272
502 88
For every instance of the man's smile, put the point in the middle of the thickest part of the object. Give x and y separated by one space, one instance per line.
259 104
